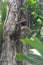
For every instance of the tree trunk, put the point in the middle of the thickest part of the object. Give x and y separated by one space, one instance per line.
9 47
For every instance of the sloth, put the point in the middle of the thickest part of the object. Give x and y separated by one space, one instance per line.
18 28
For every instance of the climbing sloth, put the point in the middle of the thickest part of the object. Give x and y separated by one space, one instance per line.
17 32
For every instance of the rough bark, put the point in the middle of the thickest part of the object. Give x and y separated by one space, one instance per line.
9 47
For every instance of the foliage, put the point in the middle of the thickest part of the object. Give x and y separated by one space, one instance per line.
4 10
34 11
1 30
35 43
32 58
36 22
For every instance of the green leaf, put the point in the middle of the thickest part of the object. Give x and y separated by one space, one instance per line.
31 58
20 57
39 20
4 9
34 42
33 13
1 30
30 2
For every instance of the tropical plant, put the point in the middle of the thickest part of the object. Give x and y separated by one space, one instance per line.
32 58
34 15
3 11
34 11
36 20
